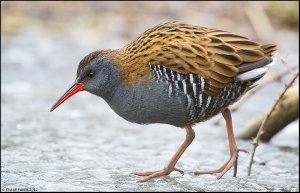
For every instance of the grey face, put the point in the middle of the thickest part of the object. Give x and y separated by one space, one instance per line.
99 78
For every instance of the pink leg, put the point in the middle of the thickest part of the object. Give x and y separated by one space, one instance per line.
190 135
233 160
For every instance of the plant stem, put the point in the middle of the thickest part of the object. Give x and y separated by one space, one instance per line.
261 131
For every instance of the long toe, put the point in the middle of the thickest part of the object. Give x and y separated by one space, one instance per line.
148 173
225 167
156 173
214 171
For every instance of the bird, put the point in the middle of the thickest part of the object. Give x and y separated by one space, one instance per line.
177 74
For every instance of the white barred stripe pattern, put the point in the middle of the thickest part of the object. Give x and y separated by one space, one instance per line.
202 83
199 105
184 87
208 101
170 90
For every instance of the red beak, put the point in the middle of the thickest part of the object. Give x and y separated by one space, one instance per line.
77 87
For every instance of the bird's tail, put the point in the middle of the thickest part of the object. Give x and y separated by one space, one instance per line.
269 49
253 71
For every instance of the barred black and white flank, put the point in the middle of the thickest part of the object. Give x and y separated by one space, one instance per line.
200 105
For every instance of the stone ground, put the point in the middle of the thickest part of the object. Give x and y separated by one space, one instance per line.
85 146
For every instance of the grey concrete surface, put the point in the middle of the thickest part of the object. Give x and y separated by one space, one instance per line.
85 146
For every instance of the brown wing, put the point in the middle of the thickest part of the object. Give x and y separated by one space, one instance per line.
213 54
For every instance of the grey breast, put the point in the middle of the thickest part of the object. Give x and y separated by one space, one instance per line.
149 103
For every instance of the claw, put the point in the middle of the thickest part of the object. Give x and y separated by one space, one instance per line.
242 150
179 170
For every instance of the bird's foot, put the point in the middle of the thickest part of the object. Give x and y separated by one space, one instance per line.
157 173
223 169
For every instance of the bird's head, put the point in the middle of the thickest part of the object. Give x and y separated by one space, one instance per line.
96 74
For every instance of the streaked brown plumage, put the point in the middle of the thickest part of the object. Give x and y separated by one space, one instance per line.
214 54
207 69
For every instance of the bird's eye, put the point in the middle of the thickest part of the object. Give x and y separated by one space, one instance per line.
91 75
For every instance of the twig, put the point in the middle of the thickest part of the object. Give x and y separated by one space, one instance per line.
285 112
258 18
261 131
282 59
